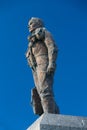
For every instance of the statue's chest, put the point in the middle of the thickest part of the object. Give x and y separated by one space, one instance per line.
39 48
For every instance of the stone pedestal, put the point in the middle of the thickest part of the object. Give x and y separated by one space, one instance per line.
59 122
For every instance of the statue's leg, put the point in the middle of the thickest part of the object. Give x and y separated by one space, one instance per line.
36 101
45 90
35 77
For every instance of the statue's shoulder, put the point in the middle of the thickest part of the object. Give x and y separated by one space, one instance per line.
40 30
40 33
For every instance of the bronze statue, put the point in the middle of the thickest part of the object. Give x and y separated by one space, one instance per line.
41 56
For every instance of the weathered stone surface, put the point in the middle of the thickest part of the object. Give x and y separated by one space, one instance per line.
41 56
59 122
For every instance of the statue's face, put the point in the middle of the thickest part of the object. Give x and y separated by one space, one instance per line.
32 26
34 23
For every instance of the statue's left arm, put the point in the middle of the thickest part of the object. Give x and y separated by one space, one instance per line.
43 34
52 51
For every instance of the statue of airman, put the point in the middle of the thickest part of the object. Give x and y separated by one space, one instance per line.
41 56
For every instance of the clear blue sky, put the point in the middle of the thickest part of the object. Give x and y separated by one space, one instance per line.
67 21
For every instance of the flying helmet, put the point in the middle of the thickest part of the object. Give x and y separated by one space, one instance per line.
35 23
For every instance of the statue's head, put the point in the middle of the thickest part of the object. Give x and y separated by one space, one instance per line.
35 23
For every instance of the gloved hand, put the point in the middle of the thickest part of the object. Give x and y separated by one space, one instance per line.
51 68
